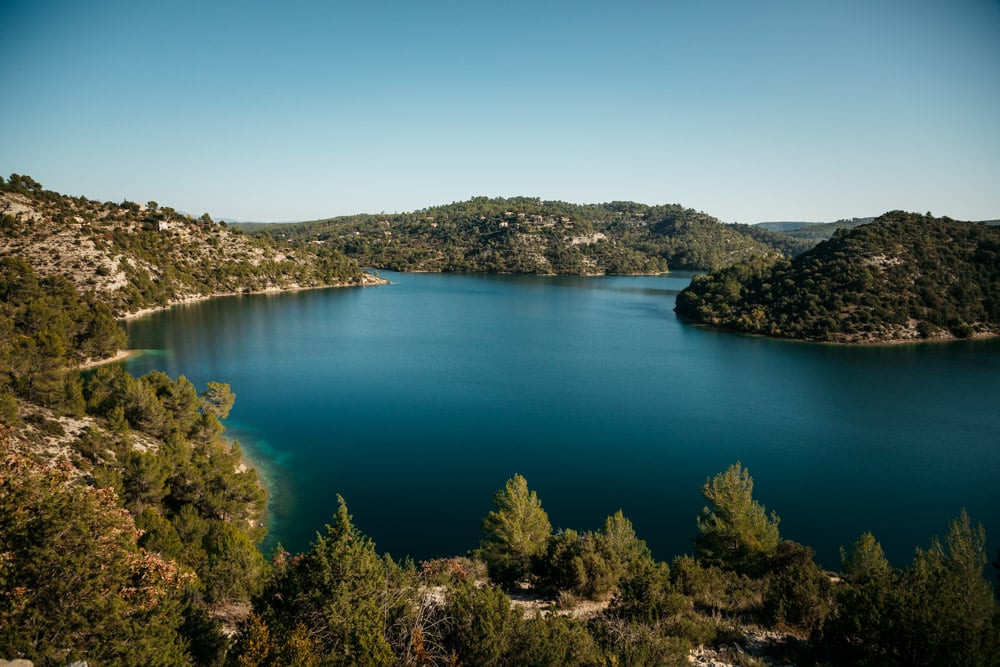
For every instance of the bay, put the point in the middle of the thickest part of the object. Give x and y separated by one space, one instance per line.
415 401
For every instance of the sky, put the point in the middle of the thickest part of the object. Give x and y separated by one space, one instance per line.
749 111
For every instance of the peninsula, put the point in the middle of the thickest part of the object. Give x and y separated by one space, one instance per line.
904 277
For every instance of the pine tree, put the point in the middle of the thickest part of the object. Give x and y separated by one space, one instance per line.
948 609
74 585
736 529
517 532
331 602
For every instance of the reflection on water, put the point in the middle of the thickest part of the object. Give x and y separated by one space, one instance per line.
417 400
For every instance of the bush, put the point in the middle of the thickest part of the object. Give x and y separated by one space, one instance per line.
798 593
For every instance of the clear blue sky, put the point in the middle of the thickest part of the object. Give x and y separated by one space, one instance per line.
747 110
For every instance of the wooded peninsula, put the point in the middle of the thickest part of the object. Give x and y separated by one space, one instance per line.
129 526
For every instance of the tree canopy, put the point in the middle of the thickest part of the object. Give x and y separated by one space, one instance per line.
528 235
735 529
516 532
902 277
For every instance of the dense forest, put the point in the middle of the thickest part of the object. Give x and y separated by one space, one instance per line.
129 533
137 256
528 235
903 277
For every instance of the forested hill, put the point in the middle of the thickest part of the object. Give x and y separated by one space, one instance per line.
134 256
528 235
903 277
812 232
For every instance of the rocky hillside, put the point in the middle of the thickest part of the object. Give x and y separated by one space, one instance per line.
135 256
528 235
903 277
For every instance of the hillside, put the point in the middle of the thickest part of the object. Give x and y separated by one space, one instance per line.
904 277
812 232
130 530
528 235
134 256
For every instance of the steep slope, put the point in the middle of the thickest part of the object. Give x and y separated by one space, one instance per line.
133 256
902 277
528 235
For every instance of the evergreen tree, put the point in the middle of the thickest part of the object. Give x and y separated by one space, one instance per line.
481 625
74 585
860 630
948 611
735 529
516 532
331 602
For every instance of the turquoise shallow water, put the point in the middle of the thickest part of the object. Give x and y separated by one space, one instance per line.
417 400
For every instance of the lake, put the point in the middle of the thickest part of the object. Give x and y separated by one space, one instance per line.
417 400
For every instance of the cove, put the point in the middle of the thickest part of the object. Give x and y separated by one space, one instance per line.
415 401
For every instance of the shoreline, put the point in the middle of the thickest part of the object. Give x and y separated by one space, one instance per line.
838 343
120 355
369 280
252 457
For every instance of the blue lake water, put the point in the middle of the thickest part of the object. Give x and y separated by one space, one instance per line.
417 400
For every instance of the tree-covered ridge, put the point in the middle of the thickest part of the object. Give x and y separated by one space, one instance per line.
528 235
903 277
138 256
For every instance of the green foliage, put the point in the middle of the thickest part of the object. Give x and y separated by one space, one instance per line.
948 609
736 530
46 327
217 400
481 626
860 629
9 409
141 592
556 641
648 595
161 255
591 565
799 595
332 602
516 532
866 561
193 495
939 611
634 644
159 535
235 568
73 583
527 235
574 563
902 277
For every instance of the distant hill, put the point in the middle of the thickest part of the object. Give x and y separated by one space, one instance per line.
134 256
813 232
529 235
902 277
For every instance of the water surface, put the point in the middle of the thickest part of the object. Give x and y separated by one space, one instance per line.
417 400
